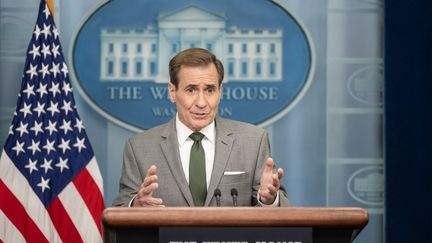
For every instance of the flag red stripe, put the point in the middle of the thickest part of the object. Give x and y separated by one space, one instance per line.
91 195
16 213
63 223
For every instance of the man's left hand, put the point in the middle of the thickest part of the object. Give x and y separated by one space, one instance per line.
269 182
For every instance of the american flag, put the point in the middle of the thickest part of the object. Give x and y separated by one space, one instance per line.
50 183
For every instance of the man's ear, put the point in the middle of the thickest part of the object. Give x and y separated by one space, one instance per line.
171 90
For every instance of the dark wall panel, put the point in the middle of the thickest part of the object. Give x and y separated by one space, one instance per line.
408 122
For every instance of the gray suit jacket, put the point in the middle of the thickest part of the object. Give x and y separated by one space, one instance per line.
239 147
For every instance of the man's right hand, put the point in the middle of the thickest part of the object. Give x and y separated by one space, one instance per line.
144 197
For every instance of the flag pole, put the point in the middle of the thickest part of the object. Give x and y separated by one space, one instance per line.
50 4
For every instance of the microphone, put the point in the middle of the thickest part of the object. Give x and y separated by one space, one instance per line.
217 194
234 196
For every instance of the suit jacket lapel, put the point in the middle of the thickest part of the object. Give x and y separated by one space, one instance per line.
169 147
223 146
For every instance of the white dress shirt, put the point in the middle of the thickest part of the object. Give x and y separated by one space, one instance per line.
185 145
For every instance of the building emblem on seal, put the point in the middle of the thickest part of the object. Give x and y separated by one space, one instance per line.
366 186
121 53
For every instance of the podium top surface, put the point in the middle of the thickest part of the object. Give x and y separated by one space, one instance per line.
354 218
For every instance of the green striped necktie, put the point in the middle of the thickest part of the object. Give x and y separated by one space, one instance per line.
197 172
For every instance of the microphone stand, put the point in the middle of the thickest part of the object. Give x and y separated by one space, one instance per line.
217 194
234 196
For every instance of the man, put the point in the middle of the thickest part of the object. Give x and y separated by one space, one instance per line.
160 165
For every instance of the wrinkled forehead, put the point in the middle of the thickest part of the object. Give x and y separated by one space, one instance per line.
202 74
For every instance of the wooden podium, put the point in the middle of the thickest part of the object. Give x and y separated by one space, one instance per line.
335 225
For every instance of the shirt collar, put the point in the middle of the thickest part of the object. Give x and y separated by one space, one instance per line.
183 132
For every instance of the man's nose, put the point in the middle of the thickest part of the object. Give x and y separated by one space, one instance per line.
201 100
